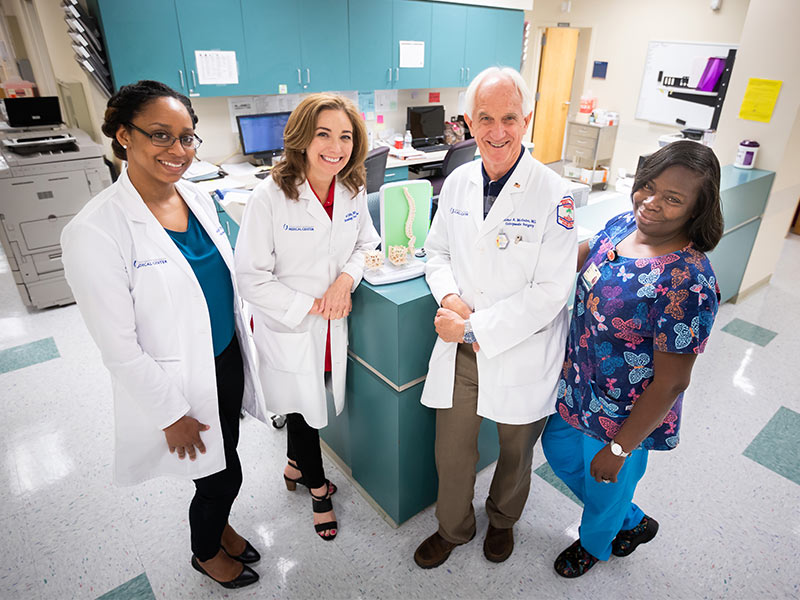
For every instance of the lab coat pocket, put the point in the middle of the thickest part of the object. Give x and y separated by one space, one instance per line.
522 259
289 352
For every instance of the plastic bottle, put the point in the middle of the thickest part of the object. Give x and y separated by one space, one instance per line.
407 140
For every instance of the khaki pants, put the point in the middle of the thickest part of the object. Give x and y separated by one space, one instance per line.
457 456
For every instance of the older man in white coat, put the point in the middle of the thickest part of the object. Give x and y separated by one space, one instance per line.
502 251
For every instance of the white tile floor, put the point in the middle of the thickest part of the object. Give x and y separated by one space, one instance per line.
730 528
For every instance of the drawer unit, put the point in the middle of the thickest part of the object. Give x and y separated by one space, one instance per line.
395 174
590 146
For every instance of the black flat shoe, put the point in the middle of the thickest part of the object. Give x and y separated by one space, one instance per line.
248 556
245 578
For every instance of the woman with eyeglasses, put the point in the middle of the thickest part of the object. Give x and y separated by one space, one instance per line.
151 270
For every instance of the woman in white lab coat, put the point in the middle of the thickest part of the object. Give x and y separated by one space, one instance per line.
151 271
299 256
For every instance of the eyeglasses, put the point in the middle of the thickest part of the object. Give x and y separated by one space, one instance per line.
164 140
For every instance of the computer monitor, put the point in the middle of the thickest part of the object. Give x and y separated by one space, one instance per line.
426 124
262 135
33 112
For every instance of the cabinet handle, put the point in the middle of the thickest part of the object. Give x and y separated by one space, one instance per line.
299 78
461 77
467 73
397 73
194 78
308 75
180 72
390 74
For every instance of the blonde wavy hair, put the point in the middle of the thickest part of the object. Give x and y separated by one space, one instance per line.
298 135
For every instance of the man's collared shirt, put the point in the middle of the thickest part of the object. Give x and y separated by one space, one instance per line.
492 189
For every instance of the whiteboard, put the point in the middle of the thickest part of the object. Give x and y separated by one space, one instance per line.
676 59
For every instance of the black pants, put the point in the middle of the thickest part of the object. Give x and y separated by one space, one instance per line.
302 446
214 494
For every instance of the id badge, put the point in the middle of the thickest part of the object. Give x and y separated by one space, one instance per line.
590 276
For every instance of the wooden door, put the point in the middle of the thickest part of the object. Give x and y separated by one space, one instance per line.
554 88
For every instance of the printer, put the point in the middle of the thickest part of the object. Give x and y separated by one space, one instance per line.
46 176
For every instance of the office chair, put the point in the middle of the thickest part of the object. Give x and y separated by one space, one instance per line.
458 154
375 164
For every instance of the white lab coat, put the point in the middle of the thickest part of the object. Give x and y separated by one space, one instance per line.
147 313
518 293
287 254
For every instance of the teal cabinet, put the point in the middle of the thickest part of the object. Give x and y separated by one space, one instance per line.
376 29
412 22
324 42
510 29
144 43
395 174
301 45
447 51
477 38
214 25
271 36
384 435
371 58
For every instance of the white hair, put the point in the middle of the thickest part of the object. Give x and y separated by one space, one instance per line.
507 72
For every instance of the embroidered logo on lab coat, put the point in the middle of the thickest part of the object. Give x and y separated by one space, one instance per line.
220 230
150 262
459 212
565 213
351 216
287 227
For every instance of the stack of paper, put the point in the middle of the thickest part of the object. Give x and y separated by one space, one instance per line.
406 153
201 170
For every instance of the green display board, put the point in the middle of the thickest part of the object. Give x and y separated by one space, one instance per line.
395 210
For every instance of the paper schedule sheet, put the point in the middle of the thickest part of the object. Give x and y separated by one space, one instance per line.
216 67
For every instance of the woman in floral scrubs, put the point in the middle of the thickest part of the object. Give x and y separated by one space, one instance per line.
645 303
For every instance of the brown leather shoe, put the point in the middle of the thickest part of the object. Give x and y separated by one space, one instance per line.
499 543
433 551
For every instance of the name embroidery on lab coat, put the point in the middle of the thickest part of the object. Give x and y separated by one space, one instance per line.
287 227
150 262
352 215
519 222
459 212
565 213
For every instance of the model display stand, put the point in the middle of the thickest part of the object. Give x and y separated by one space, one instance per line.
405 209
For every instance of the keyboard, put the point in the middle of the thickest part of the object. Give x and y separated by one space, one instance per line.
434 148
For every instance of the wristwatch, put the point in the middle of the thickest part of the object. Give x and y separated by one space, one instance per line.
617 450
469 337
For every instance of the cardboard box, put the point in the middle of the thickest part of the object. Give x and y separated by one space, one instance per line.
590 177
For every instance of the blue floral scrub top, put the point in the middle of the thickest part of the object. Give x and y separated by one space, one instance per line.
636 305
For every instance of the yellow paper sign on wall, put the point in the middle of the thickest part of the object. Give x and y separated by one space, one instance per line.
759 99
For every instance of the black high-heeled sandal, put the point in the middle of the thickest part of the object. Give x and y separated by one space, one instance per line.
291 484
323 504
245 578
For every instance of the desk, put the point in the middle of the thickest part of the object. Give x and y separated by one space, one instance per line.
397 169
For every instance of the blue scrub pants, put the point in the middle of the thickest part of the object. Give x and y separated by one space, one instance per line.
607 507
